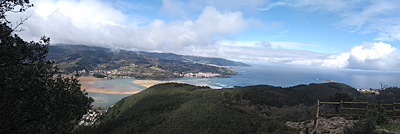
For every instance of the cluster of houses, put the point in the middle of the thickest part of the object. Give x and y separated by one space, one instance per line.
114 72
91 117
201 75
364 90
121 73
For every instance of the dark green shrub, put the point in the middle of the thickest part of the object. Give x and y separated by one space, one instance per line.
366 126
98 75
378 115
274 127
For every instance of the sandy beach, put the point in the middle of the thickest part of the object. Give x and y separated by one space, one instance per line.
149 83
85 85
91 88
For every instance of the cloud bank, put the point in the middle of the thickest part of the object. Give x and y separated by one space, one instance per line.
369 56
95 23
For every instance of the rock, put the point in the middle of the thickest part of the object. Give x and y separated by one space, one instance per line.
329 126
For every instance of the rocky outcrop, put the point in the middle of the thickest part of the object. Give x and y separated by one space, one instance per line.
329 126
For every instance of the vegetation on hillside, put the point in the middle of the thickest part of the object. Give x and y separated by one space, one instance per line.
182 108
32 101
196 59
71 58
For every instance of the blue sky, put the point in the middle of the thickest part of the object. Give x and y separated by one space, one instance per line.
337 33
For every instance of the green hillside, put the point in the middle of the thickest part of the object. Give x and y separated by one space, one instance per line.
70 58
183 108
196 59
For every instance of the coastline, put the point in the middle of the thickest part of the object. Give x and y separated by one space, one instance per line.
88 87
149 83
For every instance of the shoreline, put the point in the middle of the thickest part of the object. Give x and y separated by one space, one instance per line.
150 83
91 88
85 85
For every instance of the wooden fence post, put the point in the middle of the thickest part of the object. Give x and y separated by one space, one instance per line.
394 108
367 107
316 118
341 109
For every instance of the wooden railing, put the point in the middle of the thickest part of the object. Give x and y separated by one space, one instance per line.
393 110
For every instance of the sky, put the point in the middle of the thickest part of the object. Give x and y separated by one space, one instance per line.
353 34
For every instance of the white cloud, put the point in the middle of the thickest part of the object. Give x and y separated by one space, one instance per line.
376 56
369 51
94 23
273 44
269 6
336 61
369 56
183 9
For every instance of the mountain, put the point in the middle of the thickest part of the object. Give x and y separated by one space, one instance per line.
70 58
183 108
196 59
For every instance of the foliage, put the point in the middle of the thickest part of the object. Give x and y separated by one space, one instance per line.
141 65
32 101
366 126
337 97
183 108
378 115
196 59
390 126
98 75
389 95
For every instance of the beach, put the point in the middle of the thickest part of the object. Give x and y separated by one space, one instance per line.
88 86
149 83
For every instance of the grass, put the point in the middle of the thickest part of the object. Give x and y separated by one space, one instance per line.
74 62
391 126
154 68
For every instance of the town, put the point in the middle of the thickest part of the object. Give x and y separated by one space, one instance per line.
371 91
121 73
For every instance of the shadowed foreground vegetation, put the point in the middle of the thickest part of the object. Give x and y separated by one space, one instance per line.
183 108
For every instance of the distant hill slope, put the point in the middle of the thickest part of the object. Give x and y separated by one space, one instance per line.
183 108
71 58
196 59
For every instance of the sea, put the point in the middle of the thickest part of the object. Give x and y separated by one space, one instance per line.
264 74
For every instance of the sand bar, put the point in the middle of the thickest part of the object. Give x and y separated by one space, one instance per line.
90 88
149 83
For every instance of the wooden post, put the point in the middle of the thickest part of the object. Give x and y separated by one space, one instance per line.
366 107
316 116
341 109
394 107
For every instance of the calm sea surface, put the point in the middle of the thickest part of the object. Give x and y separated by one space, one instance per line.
276 75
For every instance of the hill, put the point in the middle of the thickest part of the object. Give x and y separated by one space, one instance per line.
196 59
70 58
183 108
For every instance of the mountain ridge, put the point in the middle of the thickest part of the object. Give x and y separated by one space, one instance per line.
85 59
168 56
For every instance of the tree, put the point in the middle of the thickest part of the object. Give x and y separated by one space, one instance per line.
337 97
32 100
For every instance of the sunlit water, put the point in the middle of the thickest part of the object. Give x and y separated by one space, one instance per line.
276 75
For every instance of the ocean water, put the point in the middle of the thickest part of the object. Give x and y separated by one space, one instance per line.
285 76
270 74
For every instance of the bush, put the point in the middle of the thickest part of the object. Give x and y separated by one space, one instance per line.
378 115
366 126
98 75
